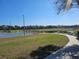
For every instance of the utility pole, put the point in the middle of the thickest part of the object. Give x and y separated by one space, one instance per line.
24 24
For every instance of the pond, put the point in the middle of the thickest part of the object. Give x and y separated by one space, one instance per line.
7 35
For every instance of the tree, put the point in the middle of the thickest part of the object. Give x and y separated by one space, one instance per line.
65 5
78 35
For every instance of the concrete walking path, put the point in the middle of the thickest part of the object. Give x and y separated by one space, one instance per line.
68 51
72 40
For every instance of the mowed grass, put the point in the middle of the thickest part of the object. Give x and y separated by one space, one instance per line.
12 48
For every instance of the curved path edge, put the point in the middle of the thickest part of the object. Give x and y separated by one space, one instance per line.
72 41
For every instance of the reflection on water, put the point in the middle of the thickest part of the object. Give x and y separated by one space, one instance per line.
6 35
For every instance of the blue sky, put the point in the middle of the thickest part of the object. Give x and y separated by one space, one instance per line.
37 12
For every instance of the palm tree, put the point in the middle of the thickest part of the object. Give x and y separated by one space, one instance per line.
65 5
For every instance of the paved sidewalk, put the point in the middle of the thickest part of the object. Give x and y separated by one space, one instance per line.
70 51
72 40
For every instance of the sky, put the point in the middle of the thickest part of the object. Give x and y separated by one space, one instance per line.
36 12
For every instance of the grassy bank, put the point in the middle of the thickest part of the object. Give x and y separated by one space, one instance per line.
12 48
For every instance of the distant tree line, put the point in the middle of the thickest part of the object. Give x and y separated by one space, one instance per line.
8 27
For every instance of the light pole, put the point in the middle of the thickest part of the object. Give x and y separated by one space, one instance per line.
23 24
10 26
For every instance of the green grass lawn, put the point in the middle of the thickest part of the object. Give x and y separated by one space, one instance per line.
11 48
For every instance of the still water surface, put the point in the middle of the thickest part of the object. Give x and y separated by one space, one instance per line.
7 35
